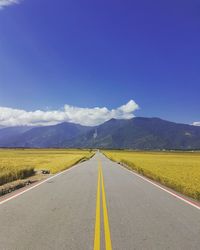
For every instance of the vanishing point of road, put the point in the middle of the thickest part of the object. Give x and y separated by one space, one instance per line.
97 205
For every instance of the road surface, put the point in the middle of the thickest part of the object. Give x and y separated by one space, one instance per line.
98 205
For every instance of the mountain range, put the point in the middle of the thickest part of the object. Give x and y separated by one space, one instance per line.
136 133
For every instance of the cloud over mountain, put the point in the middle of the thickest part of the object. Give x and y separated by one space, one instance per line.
4 3
84 116
196 123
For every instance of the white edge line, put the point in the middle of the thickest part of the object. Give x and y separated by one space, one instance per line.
162 188
36 185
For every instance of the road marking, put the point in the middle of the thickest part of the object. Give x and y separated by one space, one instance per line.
164 189
97 234
105 215
35 185
98 215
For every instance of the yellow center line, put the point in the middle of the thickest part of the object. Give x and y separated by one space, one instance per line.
97 236
105 215
98 216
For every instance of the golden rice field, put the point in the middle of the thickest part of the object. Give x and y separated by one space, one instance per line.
20 163
177 170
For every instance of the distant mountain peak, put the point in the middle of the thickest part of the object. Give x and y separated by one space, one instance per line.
136 133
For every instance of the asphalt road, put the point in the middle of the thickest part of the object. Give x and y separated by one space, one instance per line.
69 212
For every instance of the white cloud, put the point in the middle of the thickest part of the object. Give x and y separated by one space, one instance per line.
4 3
84 116
196 123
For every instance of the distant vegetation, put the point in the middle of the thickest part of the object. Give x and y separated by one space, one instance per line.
177 170
19 163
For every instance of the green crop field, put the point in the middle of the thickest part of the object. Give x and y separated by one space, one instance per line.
177 170
20 163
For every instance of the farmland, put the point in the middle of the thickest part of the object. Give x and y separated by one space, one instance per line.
177 170
20 163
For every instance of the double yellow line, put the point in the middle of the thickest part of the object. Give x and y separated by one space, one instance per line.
97 236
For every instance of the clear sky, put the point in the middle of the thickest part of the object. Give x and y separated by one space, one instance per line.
101 54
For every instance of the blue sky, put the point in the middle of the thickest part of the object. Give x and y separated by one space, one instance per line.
101 54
